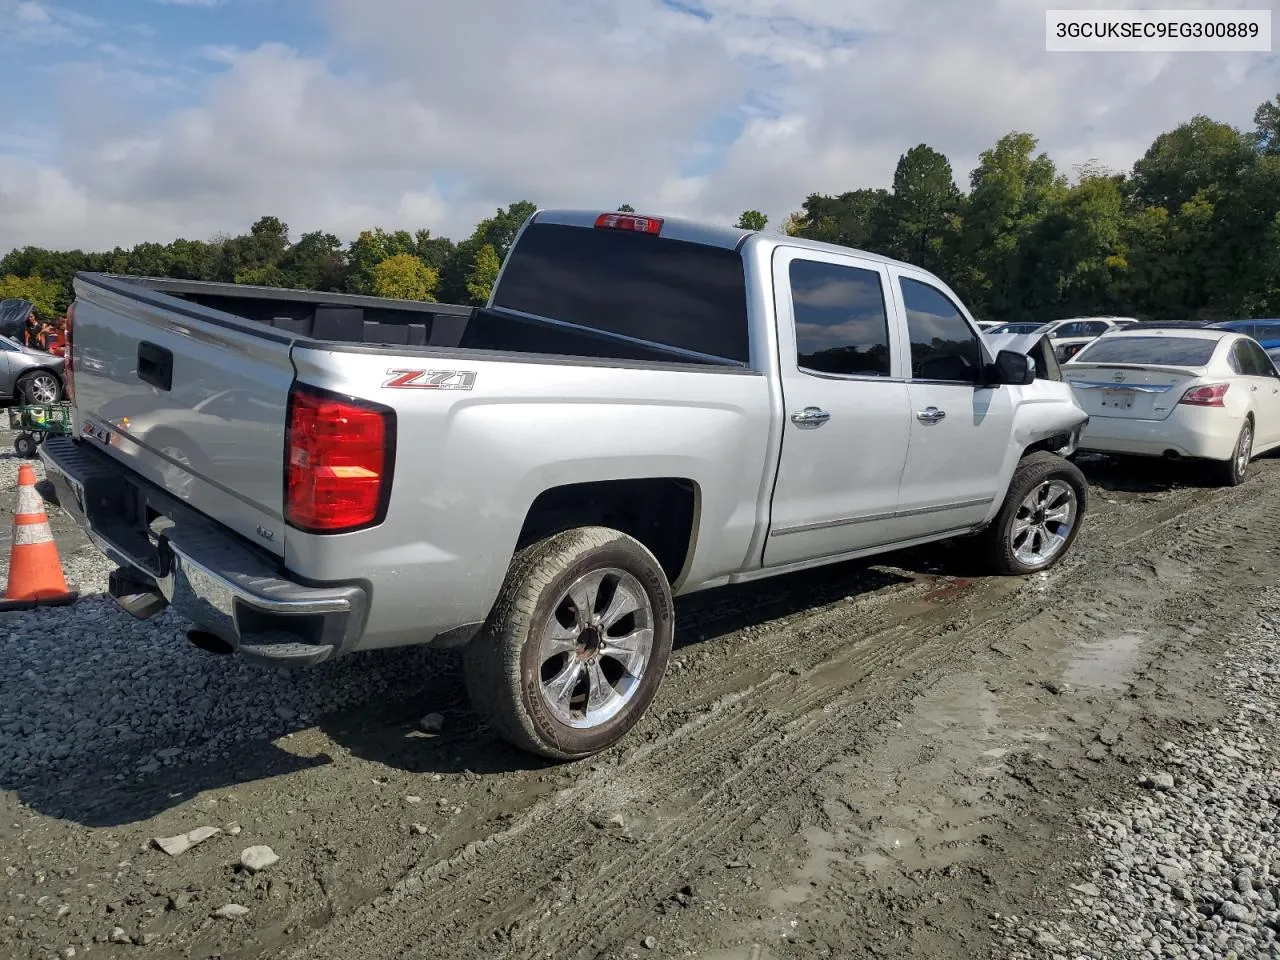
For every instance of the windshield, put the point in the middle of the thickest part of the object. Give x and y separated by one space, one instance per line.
1019 328
1150 351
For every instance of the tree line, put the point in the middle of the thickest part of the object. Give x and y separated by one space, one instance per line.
1191 232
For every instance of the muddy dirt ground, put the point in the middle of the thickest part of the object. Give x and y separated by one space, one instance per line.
867 761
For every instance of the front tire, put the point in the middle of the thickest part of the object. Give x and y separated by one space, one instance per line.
1231 473
40 387
575 647
25 446
1040 517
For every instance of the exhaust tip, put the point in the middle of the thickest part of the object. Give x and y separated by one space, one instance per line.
210 642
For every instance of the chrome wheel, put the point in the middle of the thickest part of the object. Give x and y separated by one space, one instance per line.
43 388
1244 449
595 647
1043 523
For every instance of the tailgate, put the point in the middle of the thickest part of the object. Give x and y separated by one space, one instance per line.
190 398
1128 391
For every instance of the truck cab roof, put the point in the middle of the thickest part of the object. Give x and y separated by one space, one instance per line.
709 234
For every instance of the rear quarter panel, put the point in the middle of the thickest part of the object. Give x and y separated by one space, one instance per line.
470 462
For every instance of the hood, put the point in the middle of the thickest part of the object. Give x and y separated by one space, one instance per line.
46 359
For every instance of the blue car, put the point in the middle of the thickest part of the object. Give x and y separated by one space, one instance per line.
1266 332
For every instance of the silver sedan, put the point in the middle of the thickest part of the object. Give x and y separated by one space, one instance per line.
29 376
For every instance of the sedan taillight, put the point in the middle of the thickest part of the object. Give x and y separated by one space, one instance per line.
1209 395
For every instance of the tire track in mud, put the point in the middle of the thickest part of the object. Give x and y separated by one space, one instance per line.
556 883
754 757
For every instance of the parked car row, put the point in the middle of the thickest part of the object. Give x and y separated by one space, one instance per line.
1068 336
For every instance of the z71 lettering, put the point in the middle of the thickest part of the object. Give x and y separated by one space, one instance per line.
430 379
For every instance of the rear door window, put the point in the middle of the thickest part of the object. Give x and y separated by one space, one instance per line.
1255 359
690 296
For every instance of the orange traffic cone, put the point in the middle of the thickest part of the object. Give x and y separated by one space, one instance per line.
35 572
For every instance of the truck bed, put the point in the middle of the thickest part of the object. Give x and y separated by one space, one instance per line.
376 321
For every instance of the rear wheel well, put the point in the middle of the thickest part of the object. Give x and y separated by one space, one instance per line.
659 512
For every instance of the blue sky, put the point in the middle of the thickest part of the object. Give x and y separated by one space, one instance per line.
130 120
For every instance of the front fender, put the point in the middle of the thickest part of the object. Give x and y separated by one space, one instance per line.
1043 410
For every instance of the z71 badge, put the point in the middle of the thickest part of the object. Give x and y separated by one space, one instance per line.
430 379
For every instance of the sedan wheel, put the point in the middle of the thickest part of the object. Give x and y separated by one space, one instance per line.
1232 472
40 388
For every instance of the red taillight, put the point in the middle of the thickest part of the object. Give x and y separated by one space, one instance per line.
68 385
626 221
1210 395
341 453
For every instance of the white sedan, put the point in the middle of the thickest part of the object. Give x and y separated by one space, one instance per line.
1195 393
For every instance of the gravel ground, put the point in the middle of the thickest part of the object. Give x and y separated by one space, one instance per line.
72 681
1189 865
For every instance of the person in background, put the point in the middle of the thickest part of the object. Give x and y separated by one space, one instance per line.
35 334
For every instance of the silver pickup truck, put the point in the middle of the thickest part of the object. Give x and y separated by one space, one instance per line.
645 408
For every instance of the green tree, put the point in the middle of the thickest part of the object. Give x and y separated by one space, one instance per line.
752 220
433 251
315 262
483 275
1013 188
1074 259
405 277
192 260
499 232
44 295
626 208
263 246
849 219
1266 121
370 249
269 276
920 221
1197 155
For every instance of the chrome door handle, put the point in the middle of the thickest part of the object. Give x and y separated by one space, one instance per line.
930 415
810 417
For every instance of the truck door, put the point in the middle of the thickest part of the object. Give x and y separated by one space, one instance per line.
846 406
960 430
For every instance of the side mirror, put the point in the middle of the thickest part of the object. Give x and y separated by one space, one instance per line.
1011 367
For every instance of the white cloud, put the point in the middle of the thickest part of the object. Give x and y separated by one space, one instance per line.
441 113
31 12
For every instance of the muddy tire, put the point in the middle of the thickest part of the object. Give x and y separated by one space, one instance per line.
1040 517
1231 473
576 645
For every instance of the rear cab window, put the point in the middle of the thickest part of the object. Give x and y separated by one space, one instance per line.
1155 351
689 296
